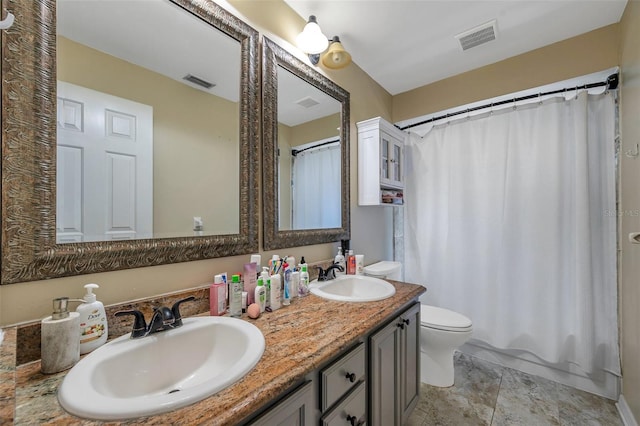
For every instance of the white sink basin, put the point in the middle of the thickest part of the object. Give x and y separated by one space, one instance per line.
167 370
353 288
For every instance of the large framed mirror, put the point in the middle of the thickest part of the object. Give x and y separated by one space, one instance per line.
305 153
130 136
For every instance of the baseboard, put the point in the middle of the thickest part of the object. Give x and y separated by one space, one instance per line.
625 412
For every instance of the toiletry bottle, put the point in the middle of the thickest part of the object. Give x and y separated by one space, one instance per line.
293 290
276 285
286 288
217 299
93 322
295 283
260 295
249 279
59 339
235 296
351 263
244 301
339 260
359 264
303 287
267 285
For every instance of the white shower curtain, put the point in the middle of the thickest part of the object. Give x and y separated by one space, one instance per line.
510 220
316 189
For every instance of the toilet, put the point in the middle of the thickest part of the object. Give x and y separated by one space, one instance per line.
441 332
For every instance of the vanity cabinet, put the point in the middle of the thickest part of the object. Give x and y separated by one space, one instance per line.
296 409
394 376
380 163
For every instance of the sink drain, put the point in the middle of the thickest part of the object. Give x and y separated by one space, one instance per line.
174 391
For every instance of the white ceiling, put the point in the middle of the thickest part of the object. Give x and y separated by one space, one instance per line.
407 44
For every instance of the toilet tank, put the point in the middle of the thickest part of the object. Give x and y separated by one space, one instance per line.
385 270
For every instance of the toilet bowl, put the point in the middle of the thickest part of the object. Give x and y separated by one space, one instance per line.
441 332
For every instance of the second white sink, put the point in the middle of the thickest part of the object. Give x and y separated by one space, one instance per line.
353 288
139 377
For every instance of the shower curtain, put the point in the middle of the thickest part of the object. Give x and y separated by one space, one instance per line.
316 188
510 219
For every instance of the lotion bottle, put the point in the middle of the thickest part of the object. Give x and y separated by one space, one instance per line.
59 339
93 321
235 296
339 260
217 298
260 295
303 286
267 285
276 285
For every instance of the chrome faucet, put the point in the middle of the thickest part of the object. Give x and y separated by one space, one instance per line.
329 273
163 319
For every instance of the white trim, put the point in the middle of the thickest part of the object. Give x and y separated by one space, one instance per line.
625 412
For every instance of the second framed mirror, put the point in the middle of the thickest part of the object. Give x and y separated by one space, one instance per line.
305 153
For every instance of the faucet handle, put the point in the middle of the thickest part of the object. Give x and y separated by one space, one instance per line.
139 324
176 310
322 274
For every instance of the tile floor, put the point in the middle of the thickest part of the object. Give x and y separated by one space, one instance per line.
488 394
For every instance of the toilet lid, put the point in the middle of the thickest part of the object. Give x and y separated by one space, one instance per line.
443 319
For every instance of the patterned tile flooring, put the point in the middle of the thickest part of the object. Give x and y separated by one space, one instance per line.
488 394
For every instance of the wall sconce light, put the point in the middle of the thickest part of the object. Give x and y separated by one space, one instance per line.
314 43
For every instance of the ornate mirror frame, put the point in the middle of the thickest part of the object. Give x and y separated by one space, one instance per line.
272 57
29 249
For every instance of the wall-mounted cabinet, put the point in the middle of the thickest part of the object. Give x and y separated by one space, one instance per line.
380 163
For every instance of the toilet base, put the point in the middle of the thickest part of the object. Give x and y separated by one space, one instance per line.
437 371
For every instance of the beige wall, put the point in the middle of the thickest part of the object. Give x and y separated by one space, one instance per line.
191 130
584 54
630 204
29 301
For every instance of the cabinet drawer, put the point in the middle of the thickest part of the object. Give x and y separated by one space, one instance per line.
342 375
353 410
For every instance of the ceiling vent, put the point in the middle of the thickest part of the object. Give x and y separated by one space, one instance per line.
479 35
307 102
198 81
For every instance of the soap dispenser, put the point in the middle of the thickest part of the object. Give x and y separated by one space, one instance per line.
93 326
59 340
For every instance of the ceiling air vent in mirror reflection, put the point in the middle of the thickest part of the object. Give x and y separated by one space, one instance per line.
479 35
200 82
307 102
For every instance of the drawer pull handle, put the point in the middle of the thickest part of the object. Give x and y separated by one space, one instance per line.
406 321
354 420
401 325
351 377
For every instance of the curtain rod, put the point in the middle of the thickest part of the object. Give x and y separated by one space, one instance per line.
295 152
611 83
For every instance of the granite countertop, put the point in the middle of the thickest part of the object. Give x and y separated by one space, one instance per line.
299 339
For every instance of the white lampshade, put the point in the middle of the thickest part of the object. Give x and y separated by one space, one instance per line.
311 40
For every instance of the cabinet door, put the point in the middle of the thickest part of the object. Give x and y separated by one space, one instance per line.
409 361
383 377
391 161
396 155
297 409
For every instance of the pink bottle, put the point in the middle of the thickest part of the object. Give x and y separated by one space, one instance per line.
217 296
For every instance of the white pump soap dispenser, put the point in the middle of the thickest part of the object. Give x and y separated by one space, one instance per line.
93 321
